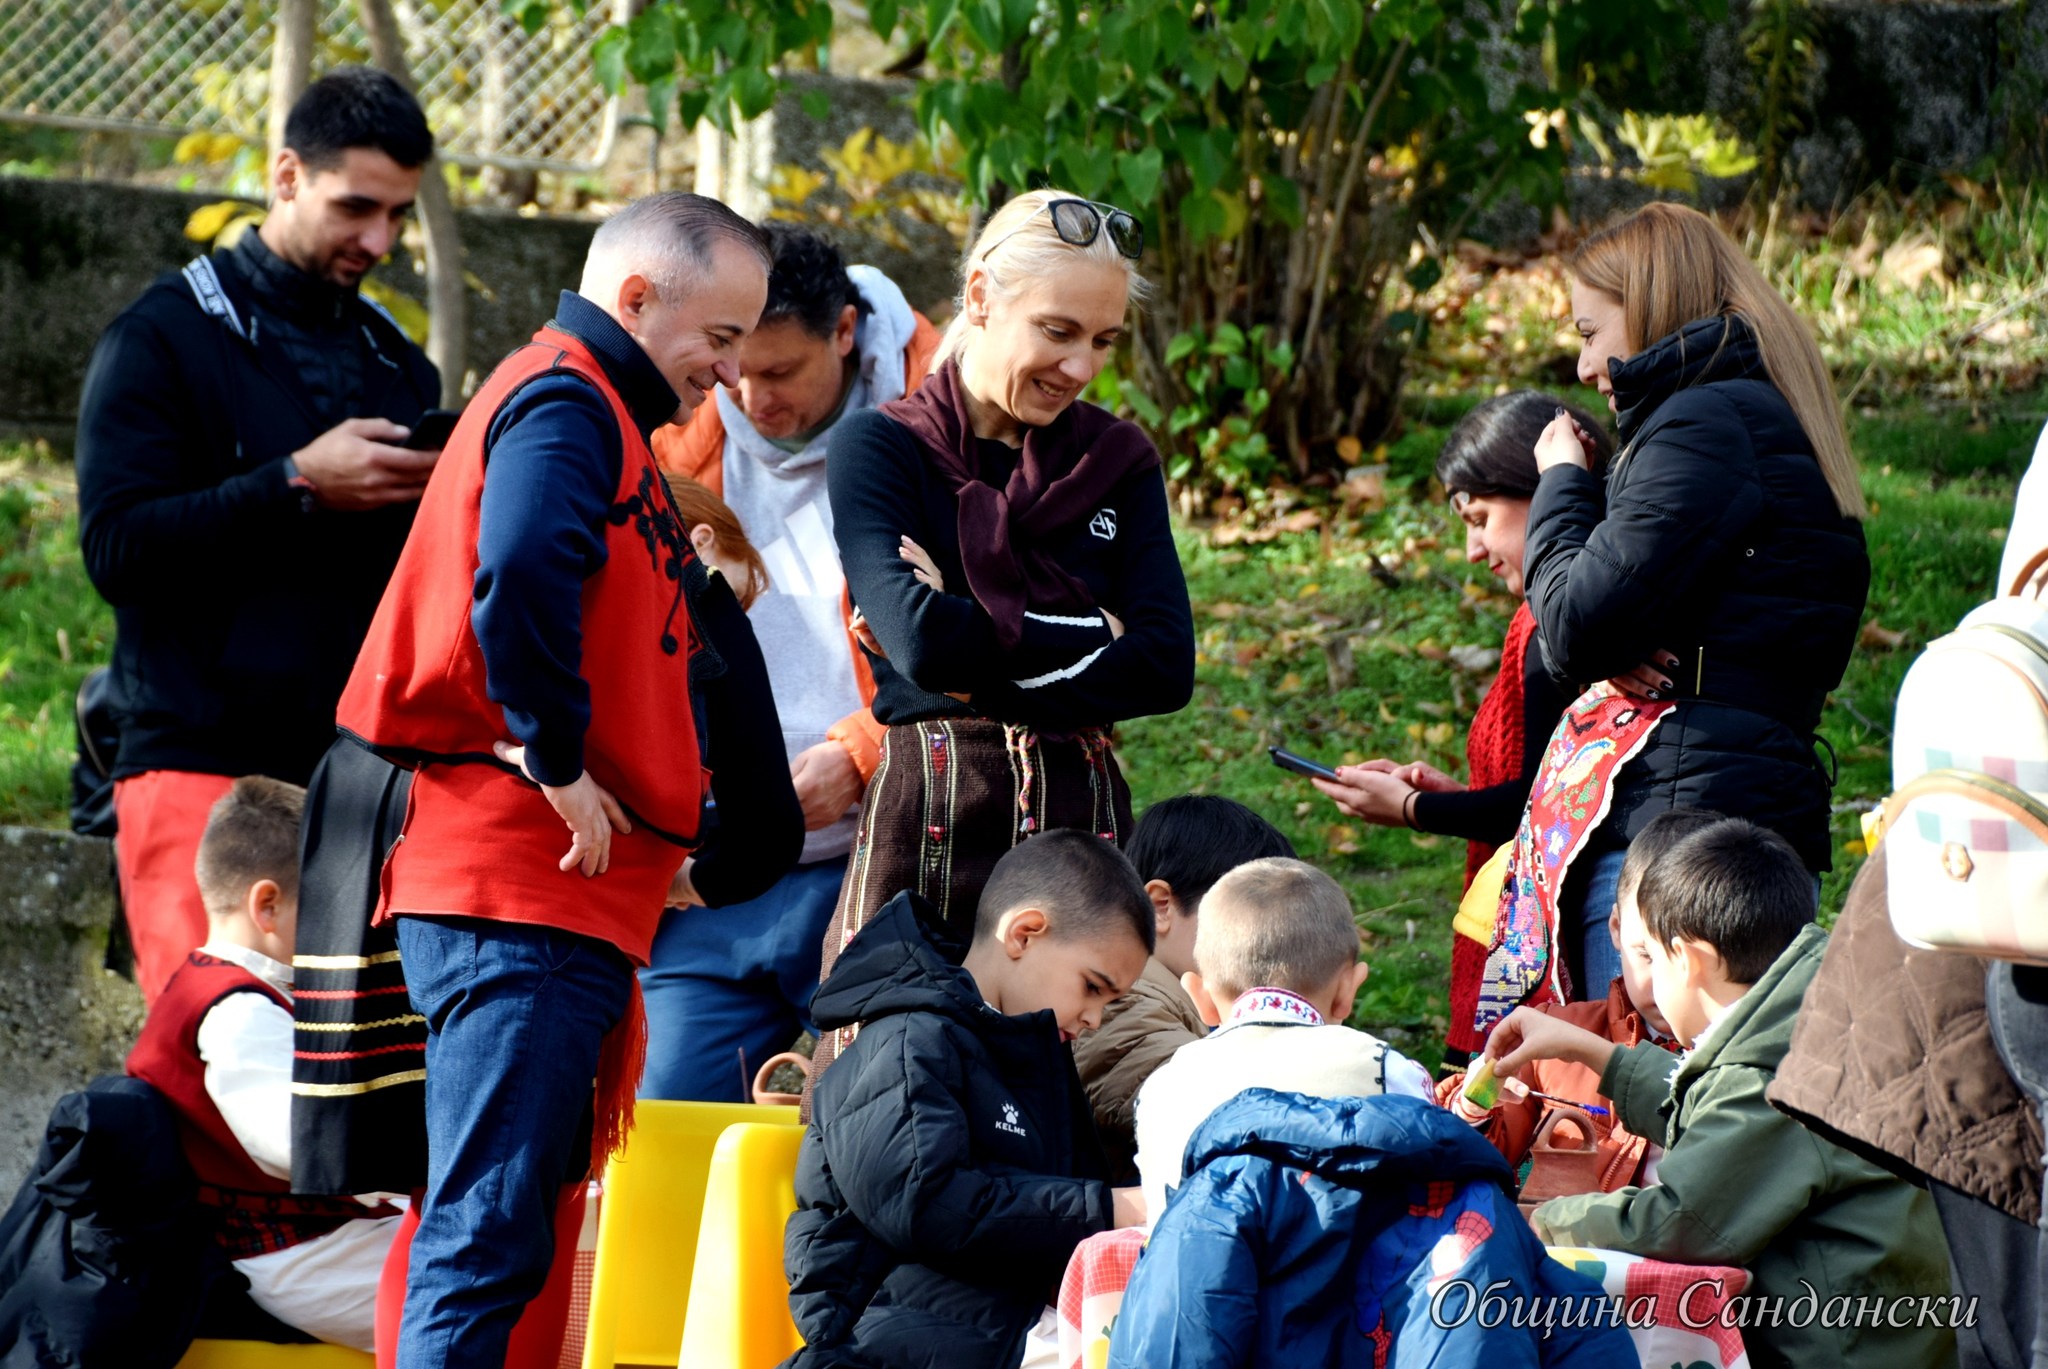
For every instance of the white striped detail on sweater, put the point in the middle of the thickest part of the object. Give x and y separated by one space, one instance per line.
1064 673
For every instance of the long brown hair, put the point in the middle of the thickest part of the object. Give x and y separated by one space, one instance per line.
1670 265
696 504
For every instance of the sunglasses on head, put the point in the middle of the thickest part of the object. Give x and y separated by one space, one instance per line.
1080 222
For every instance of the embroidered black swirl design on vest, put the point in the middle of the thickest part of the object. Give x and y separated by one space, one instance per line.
668 551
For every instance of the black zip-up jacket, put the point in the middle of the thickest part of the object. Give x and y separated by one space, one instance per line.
1066 673
950 1167
1717 540
238 612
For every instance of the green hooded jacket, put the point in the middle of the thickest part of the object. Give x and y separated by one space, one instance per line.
1742 1184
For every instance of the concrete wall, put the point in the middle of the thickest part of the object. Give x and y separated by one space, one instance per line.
74 253
63 1017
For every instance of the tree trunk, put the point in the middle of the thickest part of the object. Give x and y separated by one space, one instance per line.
291 63
447 297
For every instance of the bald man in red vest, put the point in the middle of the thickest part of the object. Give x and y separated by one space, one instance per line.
533 661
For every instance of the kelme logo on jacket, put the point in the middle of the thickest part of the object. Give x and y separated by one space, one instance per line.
1009 1122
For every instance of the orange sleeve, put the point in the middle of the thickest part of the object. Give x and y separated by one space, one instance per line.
858 732
861 735
694 448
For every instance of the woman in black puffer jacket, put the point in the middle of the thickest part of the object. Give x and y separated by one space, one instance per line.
1722 565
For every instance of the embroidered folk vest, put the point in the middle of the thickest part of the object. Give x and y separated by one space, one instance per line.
254 1212
480 840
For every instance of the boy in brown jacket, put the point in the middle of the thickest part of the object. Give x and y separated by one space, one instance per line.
1181 847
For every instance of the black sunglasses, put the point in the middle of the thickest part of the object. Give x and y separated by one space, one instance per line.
1080 222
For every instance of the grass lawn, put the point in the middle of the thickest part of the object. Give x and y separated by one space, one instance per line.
1305 641
1333 639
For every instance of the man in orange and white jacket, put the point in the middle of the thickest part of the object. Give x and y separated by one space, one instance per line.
833 339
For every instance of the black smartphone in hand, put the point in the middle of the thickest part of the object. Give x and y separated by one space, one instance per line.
1300 765
433 430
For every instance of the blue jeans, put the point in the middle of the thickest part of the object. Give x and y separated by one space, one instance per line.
515 1016
728 987
1589 893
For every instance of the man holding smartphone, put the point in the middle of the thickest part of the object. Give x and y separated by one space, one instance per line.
245 487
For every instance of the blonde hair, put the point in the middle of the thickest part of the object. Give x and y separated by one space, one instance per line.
1274 923
696 504
1020 244
1670 265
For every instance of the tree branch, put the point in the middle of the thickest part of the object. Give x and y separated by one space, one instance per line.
447 297
291 64
1353 164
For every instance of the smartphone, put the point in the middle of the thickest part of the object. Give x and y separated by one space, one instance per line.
1300 765
432 431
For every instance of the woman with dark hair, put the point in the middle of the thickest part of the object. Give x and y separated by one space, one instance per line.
1007 545
1488 468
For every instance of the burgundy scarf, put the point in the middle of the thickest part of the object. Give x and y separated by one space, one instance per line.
1067 468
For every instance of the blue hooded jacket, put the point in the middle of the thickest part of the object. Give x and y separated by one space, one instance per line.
1330 1231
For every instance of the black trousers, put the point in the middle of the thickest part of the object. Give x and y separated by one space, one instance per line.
2011 1257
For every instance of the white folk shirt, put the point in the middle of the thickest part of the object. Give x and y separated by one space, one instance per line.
327 1287
1271 1039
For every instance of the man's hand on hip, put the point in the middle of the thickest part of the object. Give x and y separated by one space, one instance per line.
357 464
826 784
588 808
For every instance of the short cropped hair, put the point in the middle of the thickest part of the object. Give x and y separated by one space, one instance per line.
1662 833
1082 884
1274 924
252 833
357 107
669 238
1734 886
808 284
1193 840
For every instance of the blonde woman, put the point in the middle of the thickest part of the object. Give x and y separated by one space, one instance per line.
1007 545
1715 582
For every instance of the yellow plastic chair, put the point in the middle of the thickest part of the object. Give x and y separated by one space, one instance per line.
739 1303
647 1227
258 1354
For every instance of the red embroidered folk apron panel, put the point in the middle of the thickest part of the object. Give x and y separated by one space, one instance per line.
1600 733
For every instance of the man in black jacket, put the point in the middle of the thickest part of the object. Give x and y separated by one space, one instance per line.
243 493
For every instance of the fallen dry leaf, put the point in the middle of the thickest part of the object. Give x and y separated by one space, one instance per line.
1880 638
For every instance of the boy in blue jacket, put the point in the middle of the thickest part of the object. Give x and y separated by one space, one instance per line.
951 1167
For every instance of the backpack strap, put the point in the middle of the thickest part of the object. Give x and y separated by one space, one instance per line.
2027 572
213 300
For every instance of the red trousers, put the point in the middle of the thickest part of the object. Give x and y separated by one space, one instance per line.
537 1339
161 815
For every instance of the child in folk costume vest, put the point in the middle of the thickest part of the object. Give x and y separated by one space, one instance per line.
218 1046
1276 972
550 603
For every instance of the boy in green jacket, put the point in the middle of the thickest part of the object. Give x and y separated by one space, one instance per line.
1846 1259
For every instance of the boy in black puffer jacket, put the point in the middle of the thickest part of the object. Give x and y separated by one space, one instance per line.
951 1167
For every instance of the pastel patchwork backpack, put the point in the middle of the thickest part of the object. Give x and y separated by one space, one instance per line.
1966 827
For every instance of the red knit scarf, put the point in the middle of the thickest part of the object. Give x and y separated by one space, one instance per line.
1495 746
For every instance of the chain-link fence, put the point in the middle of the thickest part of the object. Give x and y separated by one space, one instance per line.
495 95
